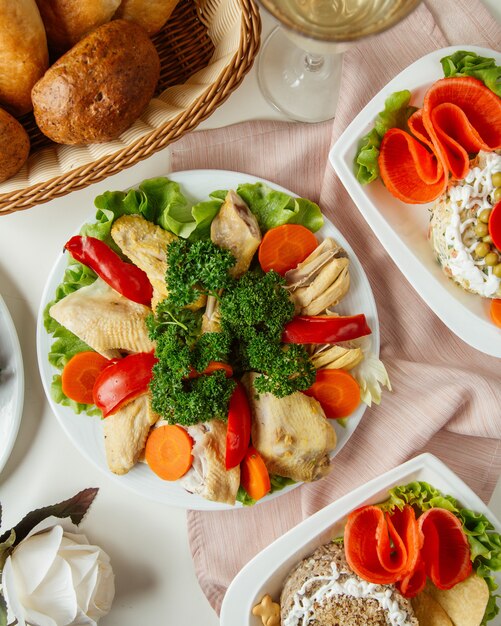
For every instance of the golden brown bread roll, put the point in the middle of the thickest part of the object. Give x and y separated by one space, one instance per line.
23 53
150 14
98 88
67 21
14 146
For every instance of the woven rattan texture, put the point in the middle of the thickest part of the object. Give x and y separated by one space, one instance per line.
184 48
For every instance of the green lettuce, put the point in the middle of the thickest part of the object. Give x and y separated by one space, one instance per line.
277 484
274 208
464 63
485 542
395 115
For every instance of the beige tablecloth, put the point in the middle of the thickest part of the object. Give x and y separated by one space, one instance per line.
446 396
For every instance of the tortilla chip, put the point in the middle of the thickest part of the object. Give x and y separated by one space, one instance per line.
465 603
428 611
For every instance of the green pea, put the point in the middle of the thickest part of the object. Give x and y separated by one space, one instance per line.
481 229
497 194
497 270
491 259
482 250
496 179
487 239
484 215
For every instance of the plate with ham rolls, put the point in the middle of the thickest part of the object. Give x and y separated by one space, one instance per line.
422 163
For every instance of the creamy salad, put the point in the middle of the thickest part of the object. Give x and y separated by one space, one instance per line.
459 230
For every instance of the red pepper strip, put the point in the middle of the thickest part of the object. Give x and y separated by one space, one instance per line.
495 225
239 427
213 366
126 278
123 381
414 582
325 328
446 551
364 529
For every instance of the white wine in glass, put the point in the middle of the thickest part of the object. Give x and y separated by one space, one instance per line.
299 66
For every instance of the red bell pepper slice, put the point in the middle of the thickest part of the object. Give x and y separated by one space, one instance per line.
126 278
325 328
495 225
123 381
239 427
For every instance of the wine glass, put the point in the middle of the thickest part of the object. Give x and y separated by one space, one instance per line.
299 66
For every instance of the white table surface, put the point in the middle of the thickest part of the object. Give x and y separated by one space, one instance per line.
147 542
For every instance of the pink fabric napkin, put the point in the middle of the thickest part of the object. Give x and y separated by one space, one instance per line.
446 396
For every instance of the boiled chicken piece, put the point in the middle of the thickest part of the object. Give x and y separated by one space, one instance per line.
236 229
292 433
321 280
125 433
107 321
208 476
336 357
211 319
145 244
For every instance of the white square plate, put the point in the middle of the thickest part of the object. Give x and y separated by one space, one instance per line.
267 571
402 228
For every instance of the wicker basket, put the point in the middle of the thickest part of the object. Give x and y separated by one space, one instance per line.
205 49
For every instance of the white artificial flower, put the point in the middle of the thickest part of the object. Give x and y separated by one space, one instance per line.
56 578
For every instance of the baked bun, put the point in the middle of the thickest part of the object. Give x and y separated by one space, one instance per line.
23 53
150 14
98 88
14 146
67 21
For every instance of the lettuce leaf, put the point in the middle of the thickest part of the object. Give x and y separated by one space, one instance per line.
464 63
274 208
395 114
485 542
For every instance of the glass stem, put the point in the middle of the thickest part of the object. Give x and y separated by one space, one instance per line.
313 62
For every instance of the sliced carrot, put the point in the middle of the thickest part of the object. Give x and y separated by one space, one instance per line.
80 373
284 247
462 115
337 391
446 550
213 366
364 528
496 311
403 524
254 476
168 451
409 170
414 582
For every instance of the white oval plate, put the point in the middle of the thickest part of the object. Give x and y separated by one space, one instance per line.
86 432
11 384
267 571
402 228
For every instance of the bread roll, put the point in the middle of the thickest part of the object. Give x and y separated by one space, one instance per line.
98 88
150 14
23 53
67 21
14 146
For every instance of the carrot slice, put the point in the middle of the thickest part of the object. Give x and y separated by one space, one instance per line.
254 476
213 366
410 172
462 115
364 527
405 526
168 451
495 225
496 311
284 247
80 373
414 582
446 551
337 391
